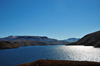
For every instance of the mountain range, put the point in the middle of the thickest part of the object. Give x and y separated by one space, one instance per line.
18 41
33 38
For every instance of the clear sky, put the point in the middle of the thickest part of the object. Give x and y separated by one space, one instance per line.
59 19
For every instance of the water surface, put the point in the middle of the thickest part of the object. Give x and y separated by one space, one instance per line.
12 57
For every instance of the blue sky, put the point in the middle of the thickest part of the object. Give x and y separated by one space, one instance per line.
59 19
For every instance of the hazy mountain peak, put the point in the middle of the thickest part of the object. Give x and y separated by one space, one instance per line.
72 39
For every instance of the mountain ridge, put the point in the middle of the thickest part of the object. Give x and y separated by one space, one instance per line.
33 38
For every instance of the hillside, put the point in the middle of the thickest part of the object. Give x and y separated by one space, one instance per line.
92 39
7 45
33 38
30 43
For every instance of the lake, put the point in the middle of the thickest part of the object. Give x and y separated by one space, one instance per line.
12 57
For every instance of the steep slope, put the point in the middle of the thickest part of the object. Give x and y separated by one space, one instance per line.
7 45
92 39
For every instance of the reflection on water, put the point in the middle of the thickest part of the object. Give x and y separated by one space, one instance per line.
12 57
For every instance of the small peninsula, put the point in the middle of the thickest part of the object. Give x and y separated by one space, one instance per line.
7 45
16 44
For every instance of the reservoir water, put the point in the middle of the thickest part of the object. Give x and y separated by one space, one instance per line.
12 57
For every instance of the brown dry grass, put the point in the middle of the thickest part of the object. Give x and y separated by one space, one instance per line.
61 63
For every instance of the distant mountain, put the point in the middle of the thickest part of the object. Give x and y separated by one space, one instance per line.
33 38
72 39
7 45
92 39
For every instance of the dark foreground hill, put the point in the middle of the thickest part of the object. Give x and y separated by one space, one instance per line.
92 39
33 38
7 45
61 63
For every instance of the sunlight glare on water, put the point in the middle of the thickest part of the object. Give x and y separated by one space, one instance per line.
57 52
82 53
